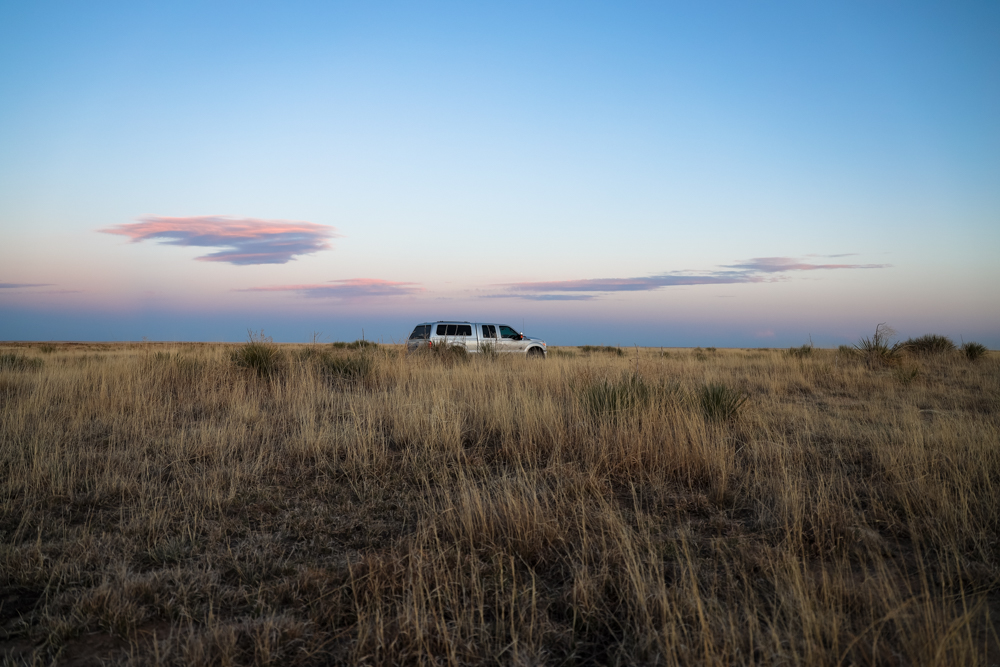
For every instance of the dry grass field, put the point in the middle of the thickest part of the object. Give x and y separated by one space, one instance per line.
182 504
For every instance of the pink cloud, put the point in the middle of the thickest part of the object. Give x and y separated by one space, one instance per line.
354 288
242 240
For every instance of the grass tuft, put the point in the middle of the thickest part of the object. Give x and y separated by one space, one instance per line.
352 369
16 361
720 403
930 344
259 355
973 351
879 351
800 352
617 399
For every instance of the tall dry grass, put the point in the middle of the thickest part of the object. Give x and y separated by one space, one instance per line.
161 505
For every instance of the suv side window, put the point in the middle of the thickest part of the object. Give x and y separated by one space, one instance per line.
454 330
489 331
507 332
422 332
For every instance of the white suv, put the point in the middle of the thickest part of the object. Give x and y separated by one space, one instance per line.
475 337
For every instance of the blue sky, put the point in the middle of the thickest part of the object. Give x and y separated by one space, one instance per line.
720 173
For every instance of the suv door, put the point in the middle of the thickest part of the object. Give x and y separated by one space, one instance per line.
510 339
488 336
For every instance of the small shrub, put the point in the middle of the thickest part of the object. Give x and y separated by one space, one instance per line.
877 350
356 345
617 351
973 351
930 344
801 352
352 369
720 403
47 348
259 355
561 352
16 361
614 399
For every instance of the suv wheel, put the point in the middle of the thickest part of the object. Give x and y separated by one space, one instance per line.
536 353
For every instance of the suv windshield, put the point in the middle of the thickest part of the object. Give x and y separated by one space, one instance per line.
422 332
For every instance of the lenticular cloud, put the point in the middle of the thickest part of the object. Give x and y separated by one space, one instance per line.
240 241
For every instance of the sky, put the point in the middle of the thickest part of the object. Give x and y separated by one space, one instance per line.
666 174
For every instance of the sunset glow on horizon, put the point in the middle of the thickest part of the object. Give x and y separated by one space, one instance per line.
662 175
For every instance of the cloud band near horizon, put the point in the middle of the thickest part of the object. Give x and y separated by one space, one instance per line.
353 288
756 270
243 241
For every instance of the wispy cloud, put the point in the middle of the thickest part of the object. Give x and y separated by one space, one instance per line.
779 264
20 285
545 297
634 284
241 240
355 288
755 270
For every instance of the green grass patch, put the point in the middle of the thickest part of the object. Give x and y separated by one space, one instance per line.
973 351
930 344
617 399
720 403
258 355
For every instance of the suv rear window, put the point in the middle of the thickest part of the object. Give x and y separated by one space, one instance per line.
422 332
454 330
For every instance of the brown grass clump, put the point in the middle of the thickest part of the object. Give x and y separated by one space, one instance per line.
165 504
